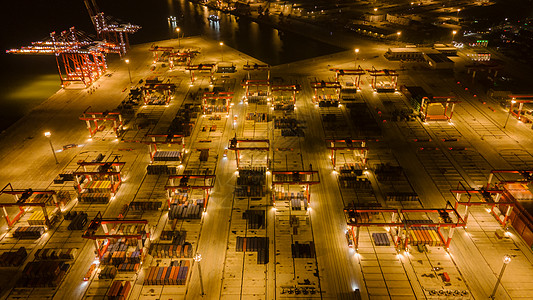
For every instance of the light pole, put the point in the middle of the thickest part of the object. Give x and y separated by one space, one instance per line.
48 134
458 10
506 261
453 35
221 44
128 64
398 35
178 31
356 56
509 114
197 258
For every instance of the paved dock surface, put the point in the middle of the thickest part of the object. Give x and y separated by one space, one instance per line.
335 271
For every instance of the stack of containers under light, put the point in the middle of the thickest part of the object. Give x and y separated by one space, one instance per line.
423 235
36 221
124 253
120 289
175 274
181 207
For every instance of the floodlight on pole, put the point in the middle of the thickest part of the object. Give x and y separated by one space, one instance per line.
453 35
127 61
178 31
221 44
197 258
509 114
48 135
356 56
506 261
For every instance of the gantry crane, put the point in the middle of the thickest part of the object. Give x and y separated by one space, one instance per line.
350 72
109 28
383 87
79 58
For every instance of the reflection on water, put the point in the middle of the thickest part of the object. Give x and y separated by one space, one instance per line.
28 81
257 40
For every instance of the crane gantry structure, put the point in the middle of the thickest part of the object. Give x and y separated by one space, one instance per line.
79 57
110 29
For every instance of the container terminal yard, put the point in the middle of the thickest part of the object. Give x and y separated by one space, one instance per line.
187 169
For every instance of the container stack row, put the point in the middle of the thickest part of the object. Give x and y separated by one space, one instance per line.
305 250
175 274
119 290
254 244
352 168
43 273
121 253
424 236
255 218
401 196
351 181
13 258
250 191
160 170
51 254
186 211
282 123
95 197
145 205
257 117
79 219
177 237
171 251
215 109
380 239
37 217
109 272
29 232
167 156
98 186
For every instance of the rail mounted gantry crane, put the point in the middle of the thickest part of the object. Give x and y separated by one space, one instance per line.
443 102
110 29
104 230
234 145
350 72
160 53
157 93
186 183
515 191
326 99
520 99
383 86
216 102
102 117
28 198
202 68
79 58
102 177
348 144
487 197
256 67
260 94
284 96
181 57
300 178
404 225
154 141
